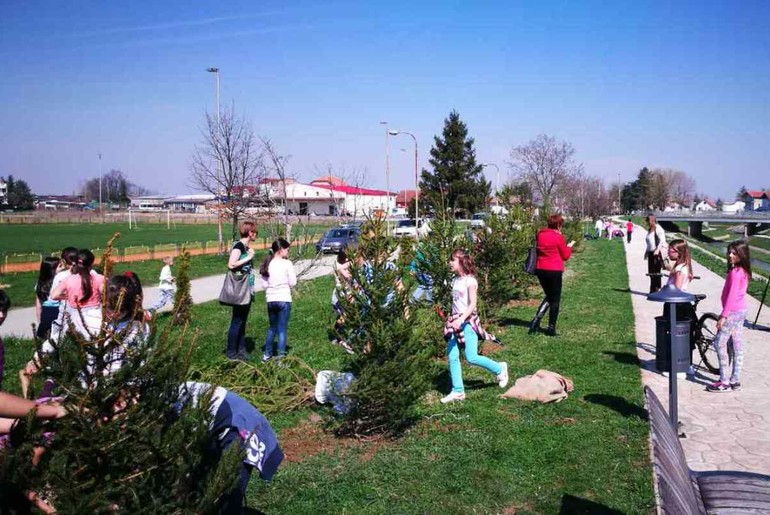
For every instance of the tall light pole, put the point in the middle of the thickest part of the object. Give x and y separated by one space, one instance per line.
497 178
416 183
619 210
100 183
387 177
220 246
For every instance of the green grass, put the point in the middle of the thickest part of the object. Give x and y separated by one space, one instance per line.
50 238
487 455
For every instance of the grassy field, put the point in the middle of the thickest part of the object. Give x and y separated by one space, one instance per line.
48 238
588 453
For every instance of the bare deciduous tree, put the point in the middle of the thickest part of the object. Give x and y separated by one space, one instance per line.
277 165
544 163
228 162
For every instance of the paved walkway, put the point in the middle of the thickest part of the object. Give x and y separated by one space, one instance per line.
19 321
725 431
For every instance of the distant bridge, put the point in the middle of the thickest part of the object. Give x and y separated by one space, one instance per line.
752 221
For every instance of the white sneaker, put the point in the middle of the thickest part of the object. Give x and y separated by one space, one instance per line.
452 397
502 377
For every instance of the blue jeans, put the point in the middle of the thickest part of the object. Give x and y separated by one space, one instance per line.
278 313
236 336
471 354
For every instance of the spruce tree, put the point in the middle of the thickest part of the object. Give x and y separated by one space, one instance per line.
182 297
123 448
457 179
391 361
499 254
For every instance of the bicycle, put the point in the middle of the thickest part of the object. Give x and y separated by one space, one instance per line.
703 332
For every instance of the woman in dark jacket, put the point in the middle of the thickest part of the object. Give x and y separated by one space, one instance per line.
552 252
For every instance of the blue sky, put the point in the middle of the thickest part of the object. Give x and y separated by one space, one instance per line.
682 85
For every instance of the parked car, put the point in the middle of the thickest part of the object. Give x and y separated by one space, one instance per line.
479 220
338 238
411 228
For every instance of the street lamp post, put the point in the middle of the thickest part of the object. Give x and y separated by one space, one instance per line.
619 209
416 183
497 178
100 184
387 176
220 246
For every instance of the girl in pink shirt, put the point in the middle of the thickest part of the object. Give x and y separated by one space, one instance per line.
730 324
83 292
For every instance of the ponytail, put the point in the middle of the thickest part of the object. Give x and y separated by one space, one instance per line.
82 267
278 244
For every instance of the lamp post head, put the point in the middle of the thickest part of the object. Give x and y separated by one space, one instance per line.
671 294
212 70
394 133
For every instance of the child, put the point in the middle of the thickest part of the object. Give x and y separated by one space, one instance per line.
47 310
167 286
69 257
463 320
681 269
278 278
730 324
629 230
83 294
126 326
5 305
235 420
342 279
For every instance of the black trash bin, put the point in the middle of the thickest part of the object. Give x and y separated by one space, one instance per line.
681 344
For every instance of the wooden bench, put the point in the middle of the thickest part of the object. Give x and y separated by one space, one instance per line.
682 491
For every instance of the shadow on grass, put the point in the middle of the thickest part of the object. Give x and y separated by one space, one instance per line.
629 290
571 505
627 358
443 382
518 322
618 404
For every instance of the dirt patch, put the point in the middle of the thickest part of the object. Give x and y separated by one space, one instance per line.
518 508
309 438
566 421
528 303
488 348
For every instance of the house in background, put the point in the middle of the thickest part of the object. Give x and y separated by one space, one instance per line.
757 200
705 205
736 207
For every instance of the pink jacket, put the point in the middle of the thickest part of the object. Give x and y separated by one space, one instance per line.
734 292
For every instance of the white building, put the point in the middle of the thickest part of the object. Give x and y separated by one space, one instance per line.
735 207
705 205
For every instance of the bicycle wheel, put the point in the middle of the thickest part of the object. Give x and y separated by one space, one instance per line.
707 332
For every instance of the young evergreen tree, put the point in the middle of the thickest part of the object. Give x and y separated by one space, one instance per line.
457 179
391 361
499 254
123 448
182 297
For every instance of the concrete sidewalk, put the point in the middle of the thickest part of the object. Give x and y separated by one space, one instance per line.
725 431
204 289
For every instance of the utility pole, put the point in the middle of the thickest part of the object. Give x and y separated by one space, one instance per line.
100 184
387 177
220 245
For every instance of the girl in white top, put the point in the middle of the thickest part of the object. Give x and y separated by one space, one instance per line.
681 270
278 278
464 290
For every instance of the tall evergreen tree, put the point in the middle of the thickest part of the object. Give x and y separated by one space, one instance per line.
20 196
456 175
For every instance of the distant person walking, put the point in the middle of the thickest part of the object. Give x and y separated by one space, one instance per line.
730 324
552 252
278 278
599 225
241 261
656 243
167 286
629 230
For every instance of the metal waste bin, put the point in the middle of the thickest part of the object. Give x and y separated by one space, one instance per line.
680 344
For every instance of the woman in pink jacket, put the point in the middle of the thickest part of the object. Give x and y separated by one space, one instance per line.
730 324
